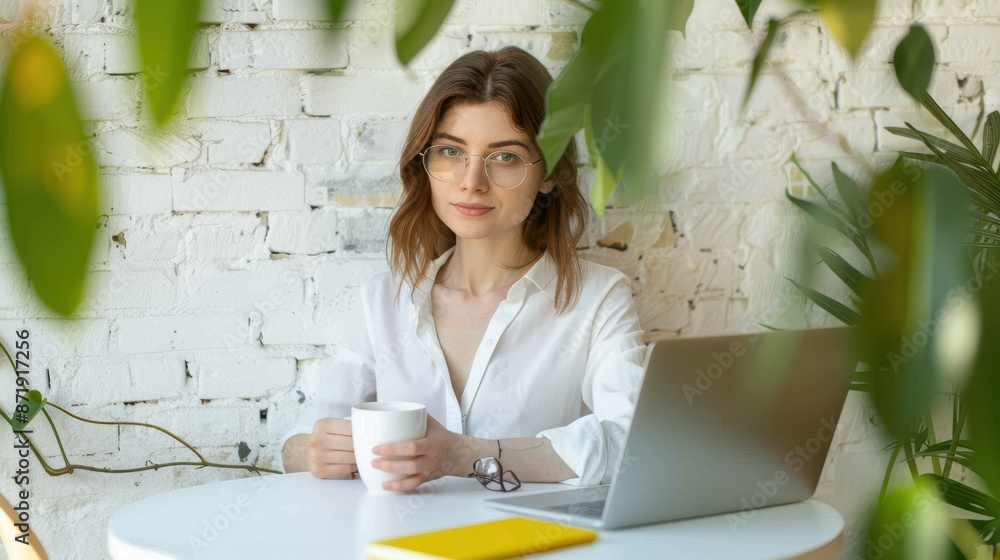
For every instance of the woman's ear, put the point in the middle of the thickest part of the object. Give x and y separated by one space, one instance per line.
547 186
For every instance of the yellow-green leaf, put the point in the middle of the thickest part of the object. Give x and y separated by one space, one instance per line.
909 523
605 180
48 175
416 23
848 21
604 185
680 13
166 31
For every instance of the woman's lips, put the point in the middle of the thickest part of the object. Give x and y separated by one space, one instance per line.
468 211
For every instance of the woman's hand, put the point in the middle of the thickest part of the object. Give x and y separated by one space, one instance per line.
331 448
424 459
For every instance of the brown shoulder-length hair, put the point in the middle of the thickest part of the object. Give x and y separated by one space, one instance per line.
518 81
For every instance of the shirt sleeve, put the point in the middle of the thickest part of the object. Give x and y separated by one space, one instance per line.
349 378
591 445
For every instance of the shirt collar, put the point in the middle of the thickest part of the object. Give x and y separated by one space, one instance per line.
542 274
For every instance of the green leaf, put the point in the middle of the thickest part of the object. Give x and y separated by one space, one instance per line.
165 33
964 496
848 21
680 13
335 8
850 193
909 523
643 49
607 135
978 180
604 185
918 215
980 393
914 61
569 95
762 51
851 276
48 174
959 153
416 23
836 221
929 158
748 8
33 403
830 305
991 137
605 180
938 113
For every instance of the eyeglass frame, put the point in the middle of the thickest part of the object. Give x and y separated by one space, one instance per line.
485 479
527 164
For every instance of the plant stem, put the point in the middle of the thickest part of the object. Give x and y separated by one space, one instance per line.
157 466
70 467
888 472
127 423
56 433
910 460
931 440
956 433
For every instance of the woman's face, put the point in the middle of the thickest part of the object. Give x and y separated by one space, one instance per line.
483 129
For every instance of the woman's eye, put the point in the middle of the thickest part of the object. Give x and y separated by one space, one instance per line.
451 152
506 157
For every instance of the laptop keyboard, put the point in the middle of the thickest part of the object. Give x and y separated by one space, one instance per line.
583 509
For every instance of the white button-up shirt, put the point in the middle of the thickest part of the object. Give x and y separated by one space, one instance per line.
572 378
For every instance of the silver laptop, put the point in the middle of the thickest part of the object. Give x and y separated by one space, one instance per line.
722 424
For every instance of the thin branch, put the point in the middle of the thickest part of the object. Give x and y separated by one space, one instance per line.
127 423
70 467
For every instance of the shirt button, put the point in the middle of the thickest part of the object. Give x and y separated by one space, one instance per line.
489 342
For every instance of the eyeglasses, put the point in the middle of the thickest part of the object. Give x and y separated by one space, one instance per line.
489 472
506 170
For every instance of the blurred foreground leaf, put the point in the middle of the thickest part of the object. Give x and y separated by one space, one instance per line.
848 21
617 78
48 175
336 9
416 23
773 25
909 523
983 390
918 214
165 31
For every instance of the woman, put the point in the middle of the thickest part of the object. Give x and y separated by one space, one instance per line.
522 351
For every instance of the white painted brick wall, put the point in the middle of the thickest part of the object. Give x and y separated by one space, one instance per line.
232 243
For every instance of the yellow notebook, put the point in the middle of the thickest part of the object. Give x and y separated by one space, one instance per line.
503 538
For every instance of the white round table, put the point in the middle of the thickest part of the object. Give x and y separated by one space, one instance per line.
299 516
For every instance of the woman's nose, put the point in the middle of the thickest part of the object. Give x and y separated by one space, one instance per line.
475 177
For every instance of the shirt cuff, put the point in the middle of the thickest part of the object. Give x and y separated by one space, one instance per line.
582 446
296 430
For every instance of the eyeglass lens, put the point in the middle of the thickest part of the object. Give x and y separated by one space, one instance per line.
447 163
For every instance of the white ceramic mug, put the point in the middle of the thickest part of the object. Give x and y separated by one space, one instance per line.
378 423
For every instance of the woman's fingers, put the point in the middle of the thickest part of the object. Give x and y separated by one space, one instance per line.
405 485
334 457
332 442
